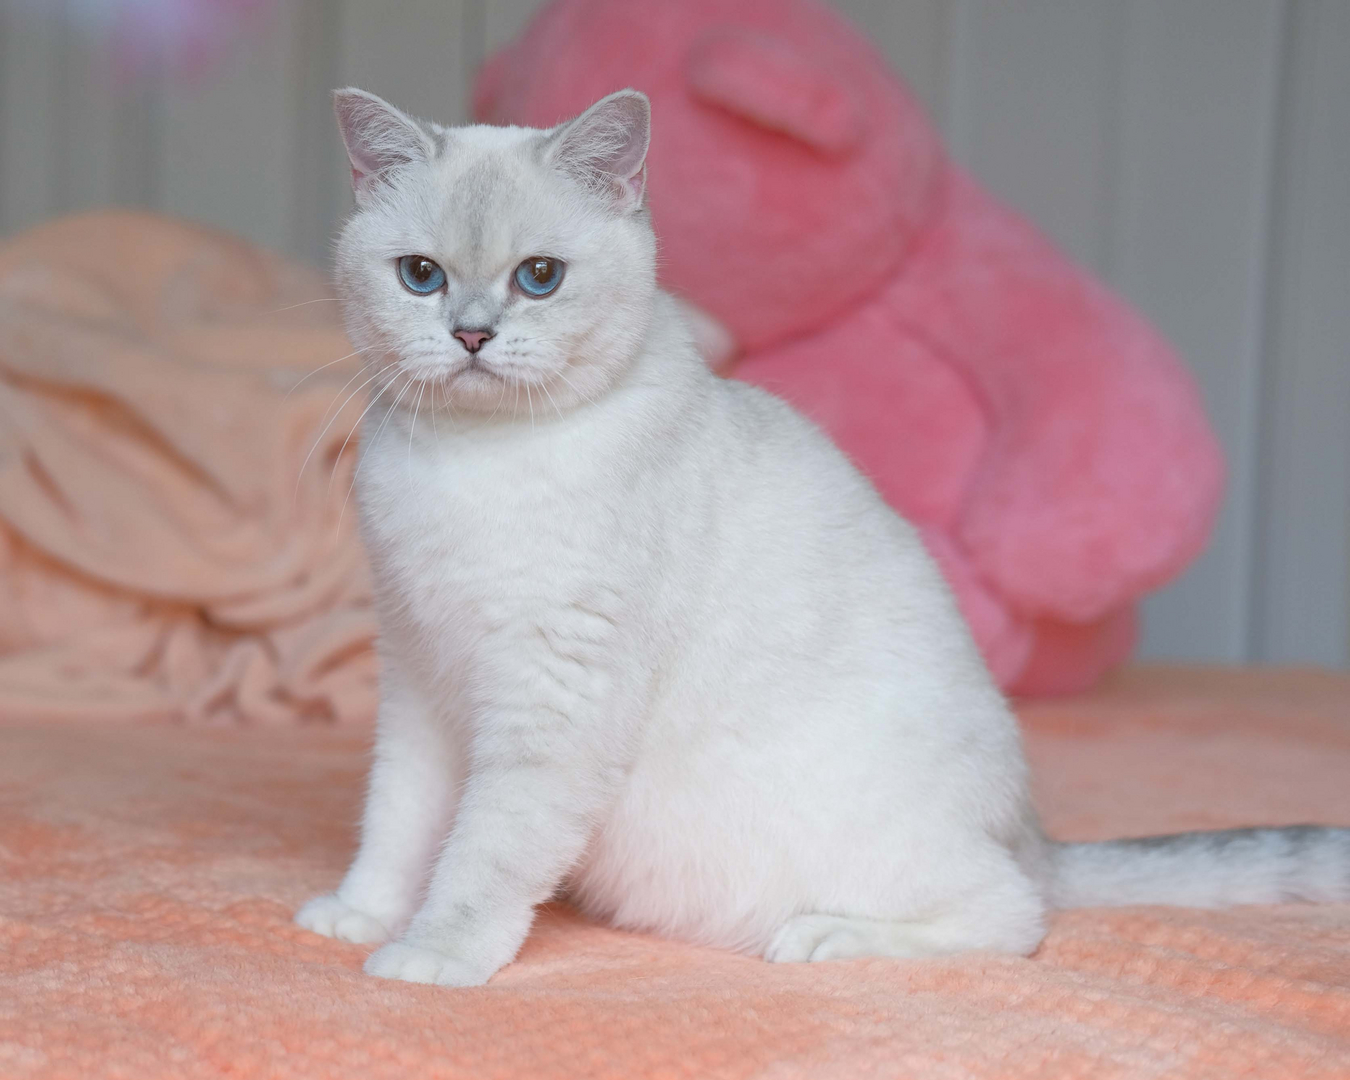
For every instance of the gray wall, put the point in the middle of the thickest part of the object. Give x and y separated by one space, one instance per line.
1196 153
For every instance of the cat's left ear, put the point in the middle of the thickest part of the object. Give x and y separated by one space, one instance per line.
378 137
606 148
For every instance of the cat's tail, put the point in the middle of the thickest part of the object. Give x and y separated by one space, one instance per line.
1206 869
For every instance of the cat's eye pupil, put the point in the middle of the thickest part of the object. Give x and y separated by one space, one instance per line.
420 275
539 275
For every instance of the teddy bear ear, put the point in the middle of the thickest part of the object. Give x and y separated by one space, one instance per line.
771 84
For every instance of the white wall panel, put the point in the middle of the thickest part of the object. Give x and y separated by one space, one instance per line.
319 186
421 61
1302 581
504 19
1189 245
915 35
30 105
1033 111
226 144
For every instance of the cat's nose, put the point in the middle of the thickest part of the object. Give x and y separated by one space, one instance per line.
473 340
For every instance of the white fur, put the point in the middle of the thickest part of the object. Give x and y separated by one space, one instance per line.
648 638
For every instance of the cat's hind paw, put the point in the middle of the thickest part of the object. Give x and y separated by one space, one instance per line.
812 938
335 918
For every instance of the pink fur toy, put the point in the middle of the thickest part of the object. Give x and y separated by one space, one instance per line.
1049 444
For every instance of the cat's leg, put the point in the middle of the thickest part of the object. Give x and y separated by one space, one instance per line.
546 762
1010 918
524 823
408 805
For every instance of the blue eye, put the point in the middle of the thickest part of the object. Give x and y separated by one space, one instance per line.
420 275
539 275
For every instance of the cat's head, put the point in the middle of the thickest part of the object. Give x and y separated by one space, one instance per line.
493 267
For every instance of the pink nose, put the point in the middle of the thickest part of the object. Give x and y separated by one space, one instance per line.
473 339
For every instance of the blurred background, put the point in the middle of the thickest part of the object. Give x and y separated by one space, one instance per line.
1194 153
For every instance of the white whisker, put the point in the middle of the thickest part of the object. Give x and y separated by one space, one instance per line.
340 393
434 409
300 475
304 303
378 431
544 388
357 427
321 367
422 389
573 385
500 398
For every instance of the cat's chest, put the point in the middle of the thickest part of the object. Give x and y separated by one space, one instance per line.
477 527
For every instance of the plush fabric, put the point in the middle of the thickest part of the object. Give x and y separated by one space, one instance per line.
1051 444
148 874
162 554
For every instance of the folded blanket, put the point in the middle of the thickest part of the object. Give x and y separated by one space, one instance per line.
148 874
160 387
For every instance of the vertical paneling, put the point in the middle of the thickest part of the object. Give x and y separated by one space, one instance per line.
30 106
915 35
1190 233
1033 111
421 61
107 151
319 190
89 150
226 142
504 19
1301 609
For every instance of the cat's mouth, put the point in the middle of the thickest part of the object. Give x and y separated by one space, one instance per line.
473 381
477 365
472 369
475 369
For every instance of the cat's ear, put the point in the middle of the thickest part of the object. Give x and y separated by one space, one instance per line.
606 148
378 137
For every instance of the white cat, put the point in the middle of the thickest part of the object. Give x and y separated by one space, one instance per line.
648 638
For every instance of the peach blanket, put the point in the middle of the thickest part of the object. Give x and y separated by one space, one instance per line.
162 553
148 874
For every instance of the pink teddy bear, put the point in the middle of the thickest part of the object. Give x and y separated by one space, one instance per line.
1052 449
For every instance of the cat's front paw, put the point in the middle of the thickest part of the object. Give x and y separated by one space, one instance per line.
335 918
413 963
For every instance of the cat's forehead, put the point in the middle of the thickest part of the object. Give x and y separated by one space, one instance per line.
488 191
477 196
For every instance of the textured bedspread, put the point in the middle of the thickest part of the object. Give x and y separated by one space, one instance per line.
148 874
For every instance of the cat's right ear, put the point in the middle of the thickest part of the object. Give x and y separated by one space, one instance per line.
378 138
606 148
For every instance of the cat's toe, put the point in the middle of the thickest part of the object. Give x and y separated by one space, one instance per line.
812 937
335 918
412 963
360 929
841 944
